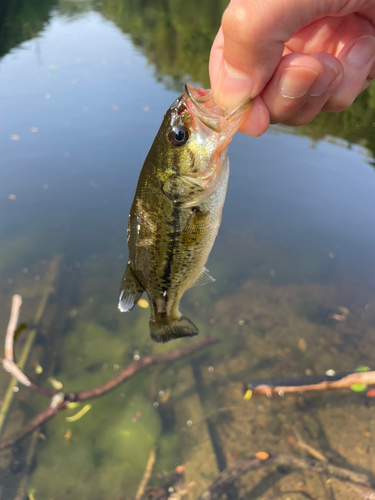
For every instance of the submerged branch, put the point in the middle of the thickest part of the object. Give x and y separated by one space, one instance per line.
147 474
61 400
40 419
9 364
304 446
311 383
230 474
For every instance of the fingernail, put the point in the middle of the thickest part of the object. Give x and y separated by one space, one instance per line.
362 51
329 76
296 82
232 88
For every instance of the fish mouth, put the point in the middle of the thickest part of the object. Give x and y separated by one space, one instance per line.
206 109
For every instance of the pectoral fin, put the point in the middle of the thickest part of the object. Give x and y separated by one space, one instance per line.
130 291
204 278
195 227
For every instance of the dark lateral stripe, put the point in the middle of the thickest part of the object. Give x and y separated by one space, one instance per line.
173 237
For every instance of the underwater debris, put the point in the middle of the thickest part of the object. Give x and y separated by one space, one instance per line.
79 415
147 474
302 344
143 303
339 317
344 310
56 384
38 369
164 395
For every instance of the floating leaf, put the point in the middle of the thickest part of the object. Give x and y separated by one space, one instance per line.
78 415
362 369
72 405
38 369
143 303
248 395
358 387
56 384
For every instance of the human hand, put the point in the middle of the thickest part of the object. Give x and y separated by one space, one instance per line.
293 58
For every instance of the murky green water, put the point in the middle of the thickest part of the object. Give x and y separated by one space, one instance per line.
84 86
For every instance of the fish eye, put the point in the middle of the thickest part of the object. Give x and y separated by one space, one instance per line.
178 135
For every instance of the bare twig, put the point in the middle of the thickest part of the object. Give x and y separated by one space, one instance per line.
147 474
308 384
366 495
312 451
61 400
12 325
230 474
8 362
40 419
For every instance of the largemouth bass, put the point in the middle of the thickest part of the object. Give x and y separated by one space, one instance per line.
176 212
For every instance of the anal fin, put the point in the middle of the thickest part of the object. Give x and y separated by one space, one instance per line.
130 290
204 278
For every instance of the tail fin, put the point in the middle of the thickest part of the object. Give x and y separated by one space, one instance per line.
164 329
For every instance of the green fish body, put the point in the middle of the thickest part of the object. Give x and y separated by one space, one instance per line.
176 211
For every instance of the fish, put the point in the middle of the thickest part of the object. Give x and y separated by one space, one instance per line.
177 209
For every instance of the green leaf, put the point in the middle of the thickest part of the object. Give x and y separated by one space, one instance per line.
358 387
362 369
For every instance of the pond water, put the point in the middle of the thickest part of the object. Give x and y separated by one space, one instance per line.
84 87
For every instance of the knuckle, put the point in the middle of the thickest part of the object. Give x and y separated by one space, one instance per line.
338 103
299 119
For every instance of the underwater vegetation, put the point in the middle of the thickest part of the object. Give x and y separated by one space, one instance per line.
106 448
105 451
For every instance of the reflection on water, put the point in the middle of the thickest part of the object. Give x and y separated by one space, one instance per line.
22 20
355 125
80 105
175 37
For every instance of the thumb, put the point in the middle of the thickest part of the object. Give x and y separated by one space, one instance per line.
252 39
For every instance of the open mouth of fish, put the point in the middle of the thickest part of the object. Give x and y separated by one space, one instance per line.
201 103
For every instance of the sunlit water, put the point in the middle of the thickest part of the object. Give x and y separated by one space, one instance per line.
80 106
